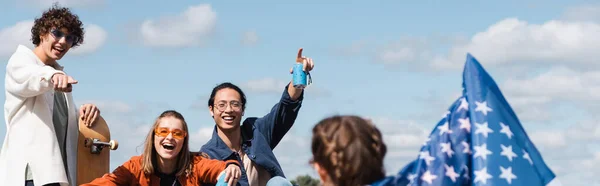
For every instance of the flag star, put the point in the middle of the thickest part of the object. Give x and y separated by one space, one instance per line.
411 178
508 152
428 177
444 129
483 129
482 107
507 174
427 140
447 148
451 173
465 123
428 158
467 148
463 104
482 176
526 156
446 114
482 151
506 130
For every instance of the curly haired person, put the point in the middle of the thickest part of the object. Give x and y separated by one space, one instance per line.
41 118
347 150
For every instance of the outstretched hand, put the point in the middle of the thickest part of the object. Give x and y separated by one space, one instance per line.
307 63
62 82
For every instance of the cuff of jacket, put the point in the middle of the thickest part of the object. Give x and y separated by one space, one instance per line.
48 72
287 99
235 162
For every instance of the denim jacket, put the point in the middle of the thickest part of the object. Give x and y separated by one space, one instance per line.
259 137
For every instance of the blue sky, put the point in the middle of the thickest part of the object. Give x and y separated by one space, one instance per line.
399 63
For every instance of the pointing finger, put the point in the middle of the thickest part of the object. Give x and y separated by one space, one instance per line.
72 80
299 58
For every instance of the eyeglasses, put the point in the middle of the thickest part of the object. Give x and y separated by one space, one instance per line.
235 105
71 39
164 132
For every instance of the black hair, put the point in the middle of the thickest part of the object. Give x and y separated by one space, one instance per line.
211 101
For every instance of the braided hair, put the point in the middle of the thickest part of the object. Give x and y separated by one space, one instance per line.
350 149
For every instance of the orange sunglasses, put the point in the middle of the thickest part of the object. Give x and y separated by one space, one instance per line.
164 132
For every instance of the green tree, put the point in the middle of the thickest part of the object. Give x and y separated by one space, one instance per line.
306 180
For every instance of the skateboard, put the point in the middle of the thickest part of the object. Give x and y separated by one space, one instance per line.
93 160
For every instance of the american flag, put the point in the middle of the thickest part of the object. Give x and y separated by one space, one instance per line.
479 141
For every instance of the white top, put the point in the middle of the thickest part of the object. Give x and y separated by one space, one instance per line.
30 136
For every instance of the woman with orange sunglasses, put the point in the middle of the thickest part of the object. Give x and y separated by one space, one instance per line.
167 160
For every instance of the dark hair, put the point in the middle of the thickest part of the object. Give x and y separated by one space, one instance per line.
211 101
57 17
350 149
184 158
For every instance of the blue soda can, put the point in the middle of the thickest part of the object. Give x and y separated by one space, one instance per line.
221 181
299 76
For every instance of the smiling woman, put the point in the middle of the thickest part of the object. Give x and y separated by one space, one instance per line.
166 160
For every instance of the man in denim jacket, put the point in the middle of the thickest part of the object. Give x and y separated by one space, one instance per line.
253 142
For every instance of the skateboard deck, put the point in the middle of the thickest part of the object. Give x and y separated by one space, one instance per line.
93 151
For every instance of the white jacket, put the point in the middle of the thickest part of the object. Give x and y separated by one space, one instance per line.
30 136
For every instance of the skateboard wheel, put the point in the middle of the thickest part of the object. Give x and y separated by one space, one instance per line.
113 144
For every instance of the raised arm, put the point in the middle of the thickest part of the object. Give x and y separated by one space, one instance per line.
25 78
282 117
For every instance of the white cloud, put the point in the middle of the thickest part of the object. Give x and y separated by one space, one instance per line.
572 153
508 43
20 34
513 41
272 85
557 84
403 139
582 13
293 153
584 132
17 34
189 28
265 85
355 48
550 139
249 38
95 37
406 51
399 54
200 137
